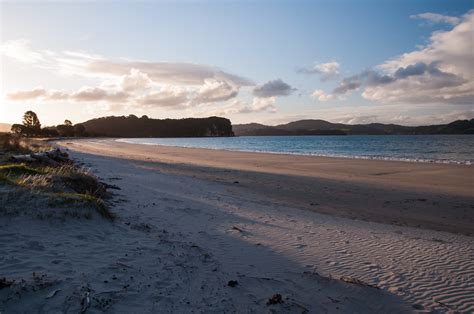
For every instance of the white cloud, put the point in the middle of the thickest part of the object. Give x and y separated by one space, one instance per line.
326 71
21 50
441 72
264 104
237 106
91 94
92 65
168 96
135 81
213 91
27 94
322 96
84 94
167 72
436 18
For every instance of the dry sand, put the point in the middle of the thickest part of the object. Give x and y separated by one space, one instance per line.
191 220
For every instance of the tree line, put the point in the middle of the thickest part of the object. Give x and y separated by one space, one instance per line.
31 127
126 126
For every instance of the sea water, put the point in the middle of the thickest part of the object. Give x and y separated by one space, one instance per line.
416 148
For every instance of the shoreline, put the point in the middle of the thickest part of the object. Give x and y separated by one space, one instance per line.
382 158
456 179
428 196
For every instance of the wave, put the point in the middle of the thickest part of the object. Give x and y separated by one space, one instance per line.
317 154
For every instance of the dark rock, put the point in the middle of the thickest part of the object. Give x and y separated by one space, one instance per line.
275 299
232 283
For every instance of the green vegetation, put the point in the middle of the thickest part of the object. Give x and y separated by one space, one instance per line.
18 169
65 185
98 203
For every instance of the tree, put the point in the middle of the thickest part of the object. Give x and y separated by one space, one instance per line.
79 130
18 129
67 122
49 132
31 123
65 130
30 120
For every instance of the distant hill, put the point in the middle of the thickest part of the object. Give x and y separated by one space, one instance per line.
5 127
321 127
132 126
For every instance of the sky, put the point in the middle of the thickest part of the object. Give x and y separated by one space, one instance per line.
404 62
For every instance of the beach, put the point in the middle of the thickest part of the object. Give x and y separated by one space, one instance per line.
221 231
435 196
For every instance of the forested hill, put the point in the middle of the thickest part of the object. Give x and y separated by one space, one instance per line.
132 126
321 127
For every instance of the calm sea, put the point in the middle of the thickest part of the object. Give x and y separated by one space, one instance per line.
416 148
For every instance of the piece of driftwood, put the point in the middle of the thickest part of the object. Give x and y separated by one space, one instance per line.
51 157
27 158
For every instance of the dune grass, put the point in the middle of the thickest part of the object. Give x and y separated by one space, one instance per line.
16 144
4 179
18 169
98 203
64 184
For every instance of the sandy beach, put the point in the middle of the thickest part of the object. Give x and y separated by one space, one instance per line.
327 234
435 196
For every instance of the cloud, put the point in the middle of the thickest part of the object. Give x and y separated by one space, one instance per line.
322 96
27 95
168 96
441 72
92 65
168 72
128 82
436 18
237 106
135 81
273 88
326 71
84 94
91 94
213 91
21 50
263 104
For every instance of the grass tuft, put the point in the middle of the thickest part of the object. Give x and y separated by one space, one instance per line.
64 183
98 203
5 179
18 169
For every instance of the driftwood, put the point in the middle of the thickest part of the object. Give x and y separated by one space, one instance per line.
27 158
52 157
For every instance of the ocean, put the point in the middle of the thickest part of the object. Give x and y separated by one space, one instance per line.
458 149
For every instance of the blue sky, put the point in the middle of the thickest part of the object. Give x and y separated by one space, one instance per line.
261 41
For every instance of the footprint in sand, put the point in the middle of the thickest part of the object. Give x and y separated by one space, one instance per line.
371 266
35 245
